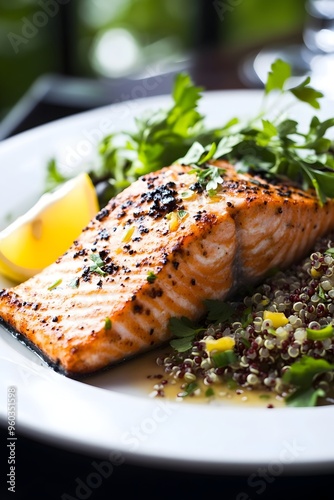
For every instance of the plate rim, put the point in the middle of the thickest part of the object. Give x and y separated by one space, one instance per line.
146 454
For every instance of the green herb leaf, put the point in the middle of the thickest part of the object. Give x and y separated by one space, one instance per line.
53 176
198 154
107 324
302 372
182 214
324 333
271 148
209 177
225 358
231 383
245 342
55 284
218 311
304 397
321 292
182 327
185 195
185 331
151 277
286 128
305 93
279 73
226 145
74 283
246 319
190 388
265 396
193 155
182 344
209 393
159 139
98 264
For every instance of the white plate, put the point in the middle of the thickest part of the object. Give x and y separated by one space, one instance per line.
110 413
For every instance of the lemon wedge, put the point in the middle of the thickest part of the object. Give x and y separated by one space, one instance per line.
47 230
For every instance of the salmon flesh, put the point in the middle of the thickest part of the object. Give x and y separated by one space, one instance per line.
156 251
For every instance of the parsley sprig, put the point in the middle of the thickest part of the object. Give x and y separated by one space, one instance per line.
301 375
277 148
272 146
184 332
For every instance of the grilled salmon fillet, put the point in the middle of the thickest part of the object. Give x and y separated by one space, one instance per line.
156 251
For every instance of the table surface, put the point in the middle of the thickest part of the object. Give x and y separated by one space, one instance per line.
48 472
53 473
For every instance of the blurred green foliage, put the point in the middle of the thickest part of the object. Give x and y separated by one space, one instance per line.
161 29
260 21
25 52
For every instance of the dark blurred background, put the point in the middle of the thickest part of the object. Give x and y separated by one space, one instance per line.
78 54
59 57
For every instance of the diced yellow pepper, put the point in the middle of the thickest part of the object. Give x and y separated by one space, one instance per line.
315 273
215 199
174 221
222 344
277 318
128 235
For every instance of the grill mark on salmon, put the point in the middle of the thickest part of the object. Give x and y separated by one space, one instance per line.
223 242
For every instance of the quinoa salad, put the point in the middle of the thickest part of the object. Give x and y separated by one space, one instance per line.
276 340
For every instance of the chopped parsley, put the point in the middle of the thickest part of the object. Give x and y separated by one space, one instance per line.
209 392
182 214
98 265
209 177
55 284
223 359
107 324
74 283
301 375
151 277
190 389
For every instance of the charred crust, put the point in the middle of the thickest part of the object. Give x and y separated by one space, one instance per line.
103 234
161 199
154 292
80 253
102 214
138 308
126 204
